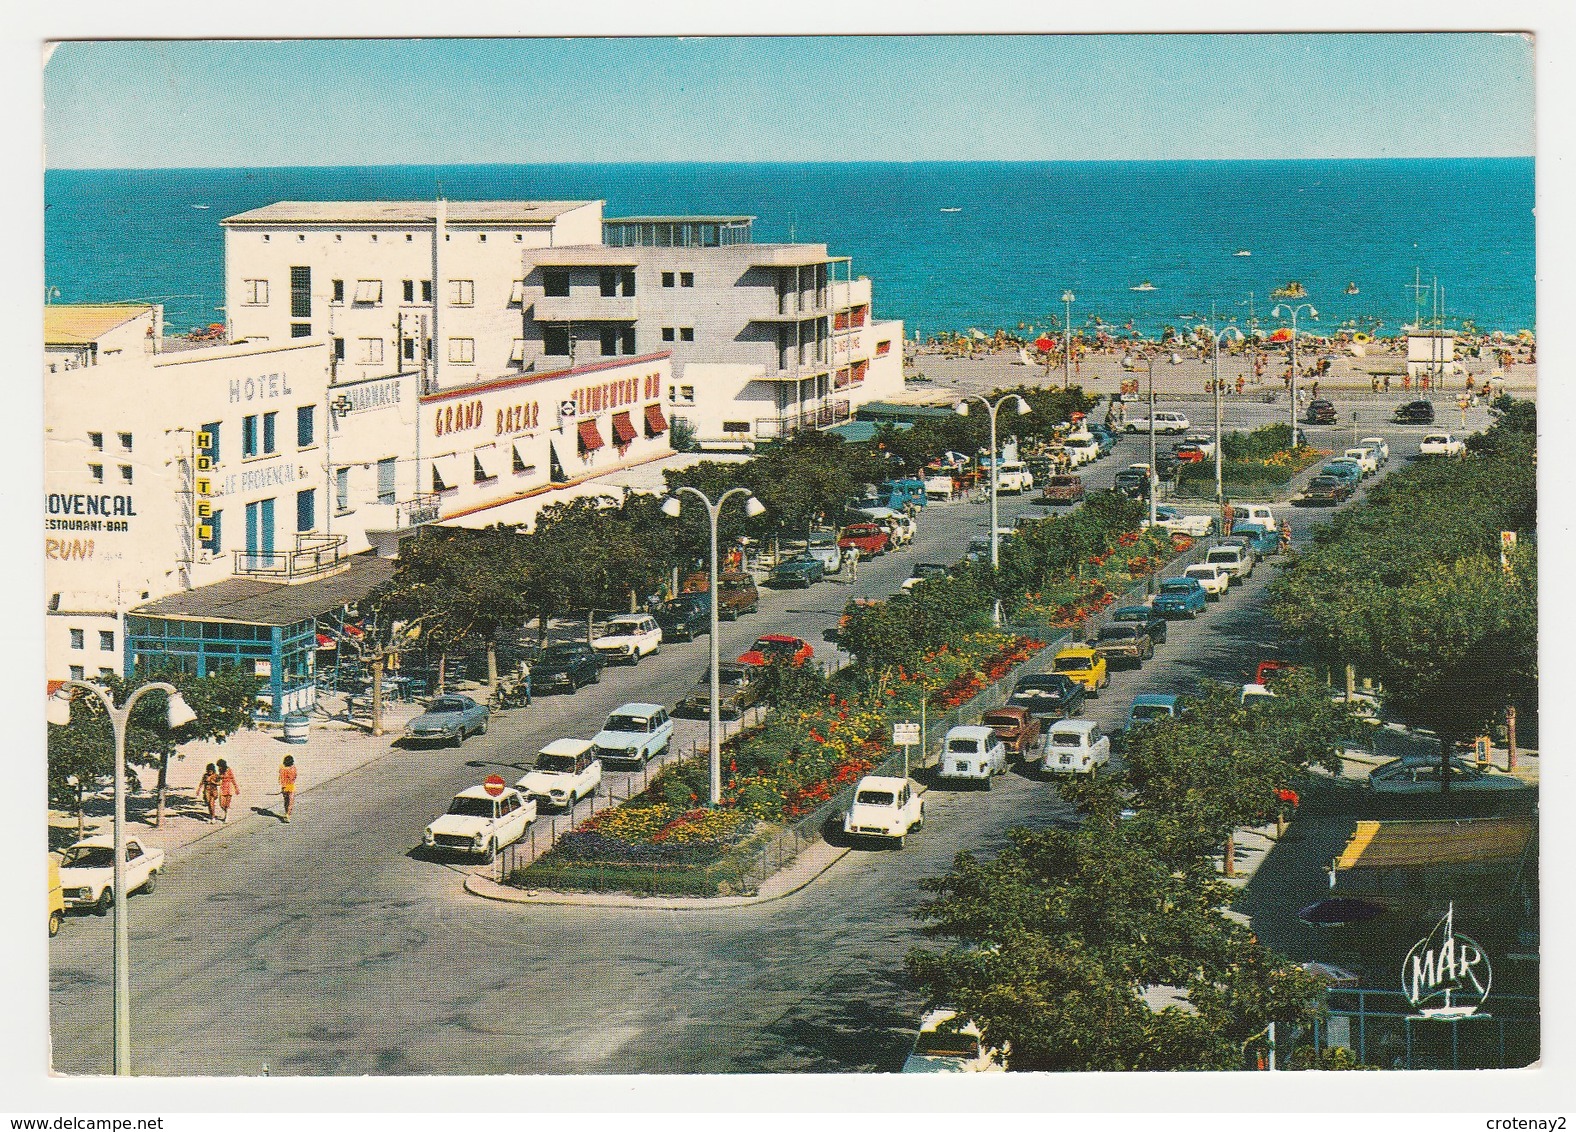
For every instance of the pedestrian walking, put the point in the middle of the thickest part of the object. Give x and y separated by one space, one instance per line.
1387 383
208 791
1228 513
1315 392
1242 384
228 788
1376 383
287 785
851 561
1285 535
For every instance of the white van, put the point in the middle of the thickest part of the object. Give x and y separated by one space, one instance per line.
972 754
1076 746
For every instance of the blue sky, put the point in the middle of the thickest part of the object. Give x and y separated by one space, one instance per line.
344 102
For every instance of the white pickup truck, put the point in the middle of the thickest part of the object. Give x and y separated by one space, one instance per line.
87 871
1165 421
630 637
480 824
567 770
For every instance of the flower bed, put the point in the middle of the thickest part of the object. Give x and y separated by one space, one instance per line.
1102 578
1267 474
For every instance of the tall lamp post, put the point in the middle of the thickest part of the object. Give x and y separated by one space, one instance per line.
178 714
1021 407
1220 488
1293 311
1154 472
753 507
1068 298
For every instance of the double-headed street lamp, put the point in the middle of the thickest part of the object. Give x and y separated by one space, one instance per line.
58 711
1021 407
1068 298
1293 311
1154 472
754 509
1220 490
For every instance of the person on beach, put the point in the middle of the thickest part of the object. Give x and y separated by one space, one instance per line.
1242 383
1387 383
208 791
228 788
287 785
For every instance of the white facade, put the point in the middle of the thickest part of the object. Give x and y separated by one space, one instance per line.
86 334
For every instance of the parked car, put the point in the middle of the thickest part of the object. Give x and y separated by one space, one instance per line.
479 824
972 754
1255 693
1104 437
1076 746
1048 695
777 648
1083 665
1416 776
685 617
889 808
910 490
1172 519
1323 491
1146 618
57 897
1320 411
1440 444
87 871
567 770
1202 441
570 665
1082 447
1165 421
1124 644
1349 470
1014 479
867 538
1211 576
1189 453
635 733
940 485
1236 561
629 637
736 592
738 689
947 1044
1062 489
1150 706
822 546
1255 514
448 719
1415 412
801 570
1367 459
1264 543
1016 727
1180 597
1379 444
1132 483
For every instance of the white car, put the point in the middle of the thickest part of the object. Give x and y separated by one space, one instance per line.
1081 448
1214 578
1441 444
1014 479
480 824
1206 444
972 754
1379 444
87 871
1366 458
939 487
635 733
1075 746
945 1045
1253 693
567 770
1234 559
1169 518
630 637
1167 422
884 807
1254 514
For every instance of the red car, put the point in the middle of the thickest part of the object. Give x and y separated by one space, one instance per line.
776 648
867 538
1062 489
1189 454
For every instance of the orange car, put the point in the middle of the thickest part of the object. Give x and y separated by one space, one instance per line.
777 648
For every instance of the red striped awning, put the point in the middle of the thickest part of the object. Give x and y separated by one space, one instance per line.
656 423
623 429
590 438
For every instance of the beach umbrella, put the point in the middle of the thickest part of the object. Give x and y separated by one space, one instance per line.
1282 334
1044 344
1338 911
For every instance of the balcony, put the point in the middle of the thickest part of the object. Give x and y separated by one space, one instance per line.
812 417
314 556
585 306
388 523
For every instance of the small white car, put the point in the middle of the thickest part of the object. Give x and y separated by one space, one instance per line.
946 1045
1014 479
1167 422
1075 746
939 487
1171 519
1254 693
972 754
884 807
1254 514
1379 444
1441 444
480 824
1367 459
635 733
1206 444
1215 579
630 637
1082 448
567 770
1234 559
87 871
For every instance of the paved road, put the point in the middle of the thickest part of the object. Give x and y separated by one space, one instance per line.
324 947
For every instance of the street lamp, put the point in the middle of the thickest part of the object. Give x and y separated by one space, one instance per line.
1220 491
1068 298
1154 475
1313 314
753 508
1021 407
57 710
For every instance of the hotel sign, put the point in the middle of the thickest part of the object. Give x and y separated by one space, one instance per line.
1448 966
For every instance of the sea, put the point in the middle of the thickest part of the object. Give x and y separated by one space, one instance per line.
950 246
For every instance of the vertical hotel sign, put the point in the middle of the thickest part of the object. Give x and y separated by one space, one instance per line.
202 487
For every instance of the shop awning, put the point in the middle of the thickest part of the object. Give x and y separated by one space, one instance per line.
522 457
623 428
656 424
590 438
1424 844
487 461
446 473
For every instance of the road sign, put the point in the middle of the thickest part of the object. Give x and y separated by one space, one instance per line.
493 784
904 734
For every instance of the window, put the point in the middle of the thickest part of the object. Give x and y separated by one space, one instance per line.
517 292
686 279
735 426
339 291
667 278
462 351
214 543
97 440
97 472
408 291
369 291
626 280
342 490
609 335
270 438
254 292
125 441
555 282
626 340
306 426
125 473
76 672
339 349
883 348
78 638
249 436
300 292
426 290
306 509
517 350
106 640
300 330
211 430
608 280
371 351
386 468
667 334
683 395
462 292
407 348
686 334
105 673
555 341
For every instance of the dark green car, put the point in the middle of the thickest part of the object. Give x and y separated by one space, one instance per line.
800 570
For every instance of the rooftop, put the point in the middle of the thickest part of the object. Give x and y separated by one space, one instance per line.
248 601
78 324
678 219
408 212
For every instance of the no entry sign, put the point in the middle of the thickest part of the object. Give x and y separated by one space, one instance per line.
493 784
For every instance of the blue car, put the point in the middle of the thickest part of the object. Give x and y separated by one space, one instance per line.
1180 597
800 570
448 719
1150 706
903 492
1348 470
1264 543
